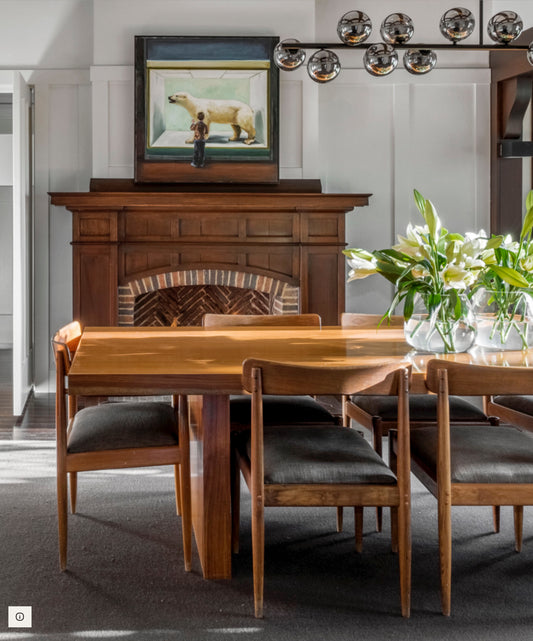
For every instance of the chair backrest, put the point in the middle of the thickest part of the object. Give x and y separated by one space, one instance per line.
369 321
287 379
65 341
465 379
228 320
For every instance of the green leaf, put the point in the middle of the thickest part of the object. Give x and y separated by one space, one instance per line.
510 275
528 224
420 201
409 303
431 218
494 242
529 200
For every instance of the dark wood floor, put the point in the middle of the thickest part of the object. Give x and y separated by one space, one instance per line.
38 420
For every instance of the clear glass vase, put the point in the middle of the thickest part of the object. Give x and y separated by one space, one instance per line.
443 324
504 318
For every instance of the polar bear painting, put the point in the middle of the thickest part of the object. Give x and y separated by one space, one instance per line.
231 112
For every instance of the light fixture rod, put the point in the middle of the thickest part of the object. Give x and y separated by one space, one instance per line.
480 23
408 45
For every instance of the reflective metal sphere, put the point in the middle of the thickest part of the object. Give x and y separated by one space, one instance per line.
354 27
397 29
323 66
380 59
288 59
457 24
419 61
505 27
530 53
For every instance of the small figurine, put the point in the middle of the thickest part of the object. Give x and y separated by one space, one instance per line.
200 133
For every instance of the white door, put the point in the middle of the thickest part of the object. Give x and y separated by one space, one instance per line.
22 244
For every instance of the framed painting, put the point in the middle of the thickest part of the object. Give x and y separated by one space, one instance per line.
206 109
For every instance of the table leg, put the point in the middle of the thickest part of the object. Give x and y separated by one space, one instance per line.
211 491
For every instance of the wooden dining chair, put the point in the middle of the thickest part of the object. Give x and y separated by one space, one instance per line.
512 408
472 464
300 409
302 465
378 414
115 435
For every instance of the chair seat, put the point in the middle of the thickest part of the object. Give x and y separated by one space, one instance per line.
479 453
322 454
518 403
113 426
422 407
276 409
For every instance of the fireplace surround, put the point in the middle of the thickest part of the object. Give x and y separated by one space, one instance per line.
284 242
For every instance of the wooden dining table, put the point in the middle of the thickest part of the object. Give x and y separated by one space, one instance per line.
206 364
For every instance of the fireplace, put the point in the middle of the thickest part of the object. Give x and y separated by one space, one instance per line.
167 254
183 297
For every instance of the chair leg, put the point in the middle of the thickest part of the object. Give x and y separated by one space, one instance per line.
496 517
184 487
403 532
177 489
258 556
235 503
393 462
394 529
377 436
73 486
445 554
518 513
340 519
62 518
358 519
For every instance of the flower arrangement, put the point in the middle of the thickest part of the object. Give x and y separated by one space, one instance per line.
442 269
505 288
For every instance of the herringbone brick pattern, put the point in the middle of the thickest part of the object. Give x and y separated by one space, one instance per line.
186 305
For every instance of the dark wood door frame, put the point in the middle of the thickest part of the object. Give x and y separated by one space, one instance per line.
511 90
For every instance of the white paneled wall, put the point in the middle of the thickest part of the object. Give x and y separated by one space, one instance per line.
6 266
63 162
388 136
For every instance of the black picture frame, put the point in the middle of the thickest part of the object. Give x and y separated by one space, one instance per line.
233 81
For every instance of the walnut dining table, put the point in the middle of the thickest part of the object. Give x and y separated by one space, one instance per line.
206 365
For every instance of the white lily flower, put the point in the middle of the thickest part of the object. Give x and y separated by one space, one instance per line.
411 243
457 277
361 267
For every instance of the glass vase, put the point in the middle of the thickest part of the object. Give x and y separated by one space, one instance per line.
443 324
504 318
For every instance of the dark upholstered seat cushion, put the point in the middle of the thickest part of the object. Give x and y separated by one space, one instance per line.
320 454
522 404
479 453
422 407
280 409
113 426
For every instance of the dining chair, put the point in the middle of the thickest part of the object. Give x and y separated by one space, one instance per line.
378 414
301 409
303 465
116 436
512 408
465 464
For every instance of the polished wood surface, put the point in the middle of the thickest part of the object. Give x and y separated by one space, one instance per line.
206 363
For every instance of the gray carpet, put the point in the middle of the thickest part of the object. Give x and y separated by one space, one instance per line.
126 578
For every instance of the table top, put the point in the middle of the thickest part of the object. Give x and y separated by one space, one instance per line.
197 360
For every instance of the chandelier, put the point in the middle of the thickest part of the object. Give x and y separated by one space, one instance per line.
397 29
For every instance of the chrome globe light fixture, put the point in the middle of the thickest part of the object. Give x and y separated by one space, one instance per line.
397 29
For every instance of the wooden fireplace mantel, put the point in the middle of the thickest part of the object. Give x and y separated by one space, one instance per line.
123 232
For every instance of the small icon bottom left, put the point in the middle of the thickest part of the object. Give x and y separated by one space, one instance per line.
19 616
